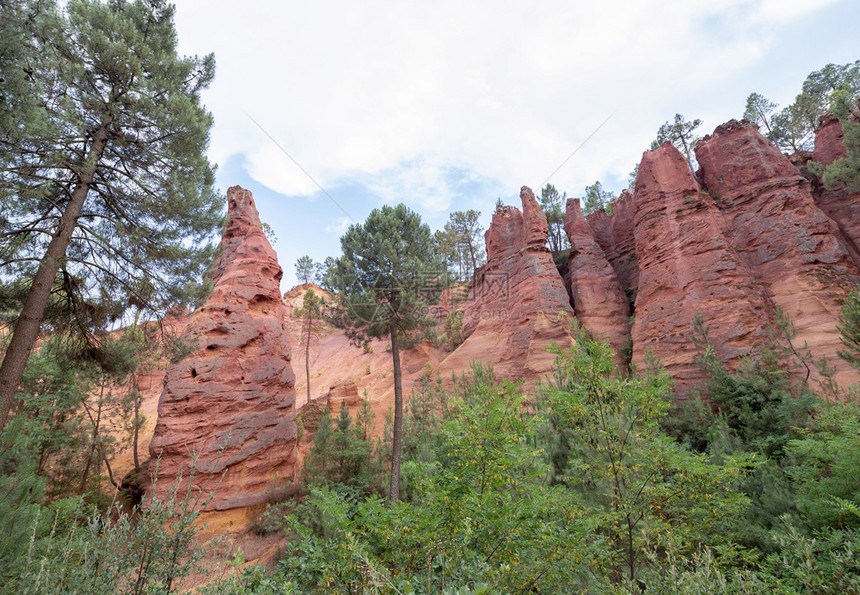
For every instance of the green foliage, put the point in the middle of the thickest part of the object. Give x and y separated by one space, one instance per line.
342 454
462 238
110 65
554 206
823 464
759 111
644 490
306 270
479 519
759 403
386 275
849 329
792 128
680 133
596 198
68 546
453 328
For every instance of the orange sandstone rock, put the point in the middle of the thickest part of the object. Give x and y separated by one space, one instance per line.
598 300
842 206
517 303
772 222
687 266
229 404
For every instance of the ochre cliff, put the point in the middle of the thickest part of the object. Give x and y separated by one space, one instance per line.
791 247
687 266
228 406
517 302
841 205
615 234
598 300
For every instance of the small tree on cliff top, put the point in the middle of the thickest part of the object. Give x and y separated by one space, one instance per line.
384 281
106 197
681 134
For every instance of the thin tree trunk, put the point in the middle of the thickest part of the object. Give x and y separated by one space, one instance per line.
472 254
136 396
394 486
308 359
94 441
27 328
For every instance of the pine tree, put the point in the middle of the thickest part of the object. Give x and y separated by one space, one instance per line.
105 189
384 282
681 134
553 205
849 329
311 315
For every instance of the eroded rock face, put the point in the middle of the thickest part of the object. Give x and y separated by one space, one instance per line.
829 141
787 242
841 206
230 402
512 313
598 300
615 235
688 266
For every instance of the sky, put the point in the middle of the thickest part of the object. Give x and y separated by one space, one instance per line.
326 110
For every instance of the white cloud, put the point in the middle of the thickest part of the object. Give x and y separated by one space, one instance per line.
397 94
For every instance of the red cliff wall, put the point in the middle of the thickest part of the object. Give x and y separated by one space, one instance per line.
598 300
514 302
687 266
787 242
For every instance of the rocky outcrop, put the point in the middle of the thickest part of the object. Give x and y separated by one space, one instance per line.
344 392
773 224
228 406
615 235
598 300
687 267
517 302
829 140
842 206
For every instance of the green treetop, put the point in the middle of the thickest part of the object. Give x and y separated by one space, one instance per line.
680 133
553 205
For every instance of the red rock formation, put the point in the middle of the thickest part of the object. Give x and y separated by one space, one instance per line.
841 206
829 140
615 235
230 402
345 391
512 311
687 266
598 300
788 243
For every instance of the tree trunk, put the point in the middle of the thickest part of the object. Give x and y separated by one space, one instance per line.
27 328
135 386
394 485
472 254
308 359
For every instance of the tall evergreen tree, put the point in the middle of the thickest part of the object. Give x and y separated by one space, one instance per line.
105 188
759 110
384 282
306 270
